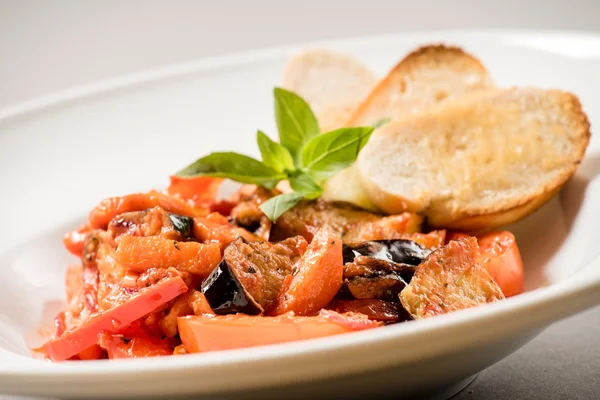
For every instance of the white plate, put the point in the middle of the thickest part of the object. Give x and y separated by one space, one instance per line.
62 154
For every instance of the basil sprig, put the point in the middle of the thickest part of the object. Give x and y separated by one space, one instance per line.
304 156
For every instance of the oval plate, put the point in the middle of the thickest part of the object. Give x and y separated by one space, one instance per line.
63 153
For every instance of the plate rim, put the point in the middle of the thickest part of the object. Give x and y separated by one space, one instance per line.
582 285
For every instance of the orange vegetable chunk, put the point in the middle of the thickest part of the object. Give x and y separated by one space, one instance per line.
211 333
142 253
317 279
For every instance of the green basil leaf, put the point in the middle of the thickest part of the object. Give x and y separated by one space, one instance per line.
273 154
302 183
381 122
295 121
234 166
329 153
276 206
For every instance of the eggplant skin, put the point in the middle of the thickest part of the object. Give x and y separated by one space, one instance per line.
376 286
182 224
401 251
388 312
225 293
250 275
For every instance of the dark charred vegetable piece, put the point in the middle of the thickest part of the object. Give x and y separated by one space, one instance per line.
366 266
372 278
400 251
308 217
225 293
377 286
182 224
374 309
250 275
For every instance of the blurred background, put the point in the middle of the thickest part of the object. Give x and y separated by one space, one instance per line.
47 46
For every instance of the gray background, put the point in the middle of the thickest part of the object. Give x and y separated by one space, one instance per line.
47 46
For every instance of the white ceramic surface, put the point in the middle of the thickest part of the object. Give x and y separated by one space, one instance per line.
62 154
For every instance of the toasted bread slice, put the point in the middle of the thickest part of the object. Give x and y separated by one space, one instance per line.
332 83
426 77
450 279
479 162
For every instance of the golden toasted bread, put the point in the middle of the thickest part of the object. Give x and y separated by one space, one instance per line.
478 162
425 78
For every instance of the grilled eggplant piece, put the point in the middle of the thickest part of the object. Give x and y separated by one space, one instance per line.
450 279
365 266
182 224
225 293
399 251
250 275
374 309
371 278
377 286
380 269
308 217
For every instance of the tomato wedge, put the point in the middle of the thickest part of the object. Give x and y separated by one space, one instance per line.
140 304
201 190
212 333
75 240
500 255
317 279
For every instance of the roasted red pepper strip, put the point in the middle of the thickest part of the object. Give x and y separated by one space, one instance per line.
140 304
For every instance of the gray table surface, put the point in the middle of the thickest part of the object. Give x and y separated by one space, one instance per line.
48 46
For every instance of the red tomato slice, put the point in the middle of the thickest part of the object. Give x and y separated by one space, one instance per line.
199 189
318 277
140 304
212 333
500 255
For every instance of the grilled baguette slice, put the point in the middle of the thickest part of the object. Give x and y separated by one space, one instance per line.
425 78
332 83
478 162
